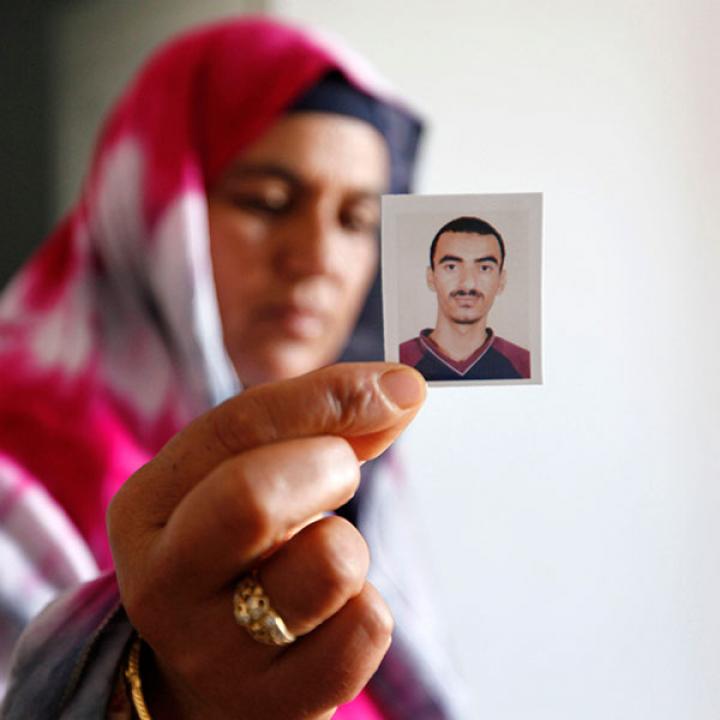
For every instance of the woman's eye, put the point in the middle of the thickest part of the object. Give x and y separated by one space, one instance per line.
361 225
270 203
259 203
360 222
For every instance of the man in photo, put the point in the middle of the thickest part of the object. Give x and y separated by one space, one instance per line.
466 272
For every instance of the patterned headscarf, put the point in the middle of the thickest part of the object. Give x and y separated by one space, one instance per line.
110 338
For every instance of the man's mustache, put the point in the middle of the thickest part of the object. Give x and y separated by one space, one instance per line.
465 293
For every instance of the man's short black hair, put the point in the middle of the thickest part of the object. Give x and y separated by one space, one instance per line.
467 224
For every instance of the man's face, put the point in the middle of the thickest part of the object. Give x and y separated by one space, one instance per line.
467 276
293 236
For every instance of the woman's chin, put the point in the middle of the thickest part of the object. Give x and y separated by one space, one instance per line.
280 364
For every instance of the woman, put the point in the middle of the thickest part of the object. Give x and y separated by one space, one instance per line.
225 239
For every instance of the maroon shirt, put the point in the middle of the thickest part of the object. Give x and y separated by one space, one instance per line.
495 359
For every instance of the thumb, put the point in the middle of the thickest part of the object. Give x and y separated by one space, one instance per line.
368 404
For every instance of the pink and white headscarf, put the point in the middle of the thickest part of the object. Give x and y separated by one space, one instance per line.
110 338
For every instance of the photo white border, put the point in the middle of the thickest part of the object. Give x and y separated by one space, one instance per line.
517 217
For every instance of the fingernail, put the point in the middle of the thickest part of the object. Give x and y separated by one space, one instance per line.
405 388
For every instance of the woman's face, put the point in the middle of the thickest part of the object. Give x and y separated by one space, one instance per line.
293 237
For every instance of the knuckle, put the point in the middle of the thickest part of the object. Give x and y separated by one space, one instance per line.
243 422
374 616
349 399
335 467
243 508
121 519
342 558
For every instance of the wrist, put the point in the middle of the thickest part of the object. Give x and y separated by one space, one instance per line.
151 695
134 680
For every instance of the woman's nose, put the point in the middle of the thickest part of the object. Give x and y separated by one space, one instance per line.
308 246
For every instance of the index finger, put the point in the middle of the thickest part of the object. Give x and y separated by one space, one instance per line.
368 404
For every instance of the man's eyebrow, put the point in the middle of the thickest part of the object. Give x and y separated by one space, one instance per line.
449 258
455 258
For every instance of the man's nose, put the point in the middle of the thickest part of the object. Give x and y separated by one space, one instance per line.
468 280
309 245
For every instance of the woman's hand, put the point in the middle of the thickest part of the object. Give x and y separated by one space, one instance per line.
219 497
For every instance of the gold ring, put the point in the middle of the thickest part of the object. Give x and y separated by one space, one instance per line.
252 610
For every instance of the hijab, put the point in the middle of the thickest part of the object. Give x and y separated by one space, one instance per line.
110 337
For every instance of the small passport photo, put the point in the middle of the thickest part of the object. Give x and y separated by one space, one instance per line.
461 279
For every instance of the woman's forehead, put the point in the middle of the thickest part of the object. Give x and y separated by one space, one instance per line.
315 147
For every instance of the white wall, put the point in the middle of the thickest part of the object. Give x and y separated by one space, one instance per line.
573 526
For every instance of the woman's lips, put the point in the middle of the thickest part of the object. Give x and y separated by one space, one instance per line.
297 322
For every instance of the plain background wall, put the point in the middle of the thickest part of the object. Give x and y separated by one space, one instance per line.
572 527
25 152
96 46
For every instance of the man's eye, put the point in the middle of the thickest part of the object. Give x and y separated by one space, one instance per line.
450 266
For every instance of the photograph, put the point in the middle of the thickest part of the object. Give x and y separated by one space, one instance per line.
461 286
